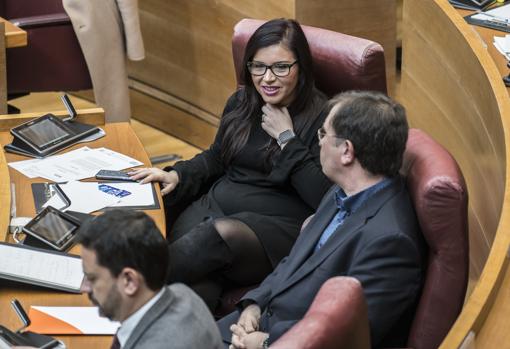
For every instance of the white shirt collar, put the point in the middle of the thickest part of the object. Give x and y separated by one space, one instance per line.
130 323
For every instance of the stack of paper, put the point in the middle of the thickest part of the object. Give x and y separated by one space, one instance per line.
70 320
503 45
87 197
81 163
38 267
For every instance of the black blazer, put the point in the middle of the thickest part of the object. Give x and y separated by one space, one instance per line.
379 244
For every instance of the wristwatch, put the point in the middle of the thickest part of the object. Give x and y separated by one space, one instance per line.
285 136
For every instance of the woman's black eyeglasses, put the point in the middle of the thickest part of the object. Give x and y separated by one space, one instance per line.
278 69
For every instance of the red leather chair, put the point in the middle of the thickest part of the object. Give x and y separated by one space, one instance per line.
53 60
341 62
440 198
337 319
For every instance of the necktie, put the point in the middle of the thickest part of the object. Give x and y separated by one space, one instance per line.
115 343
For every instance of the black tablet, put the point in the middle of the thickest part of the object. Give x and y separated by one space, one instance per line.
54 228
43 133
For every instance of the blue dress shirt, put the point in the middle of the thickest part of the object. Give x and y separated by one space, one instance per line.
347 205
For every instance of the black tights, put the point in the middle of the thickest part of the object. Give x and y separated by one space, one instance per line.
215 252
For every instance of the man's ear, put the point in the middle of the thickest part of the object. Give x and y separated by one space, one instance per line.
129 281
347 152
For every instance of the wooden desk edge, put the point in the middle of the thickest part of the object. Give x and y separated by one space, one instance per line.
5 197
15 36
92 116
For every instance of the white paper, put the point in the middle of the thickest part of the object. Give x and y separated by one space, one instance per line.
85 197
500 13
100 134
503 45
74 165
141 194
41 267
86 319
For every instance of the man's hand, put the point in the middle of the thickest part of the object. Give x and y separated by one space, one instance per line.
242 340
248 323
168 180
249 319
276 120
255 340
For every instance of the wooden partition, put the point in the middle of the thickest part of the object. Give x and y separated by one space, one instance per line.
452 89
182 85
5 195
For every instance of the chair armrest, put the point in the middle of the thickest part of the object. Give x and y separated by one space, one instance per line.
41 21
92 116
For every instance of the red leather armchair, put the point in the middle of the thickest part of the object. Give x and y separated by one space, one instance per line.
341 62
440 199
337 319
53 60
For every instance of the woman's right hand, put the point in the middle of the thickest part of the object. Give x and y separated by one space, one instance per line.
168 180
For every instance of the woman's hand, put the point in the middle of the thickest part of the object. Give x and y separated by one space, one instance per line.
276 120
168 180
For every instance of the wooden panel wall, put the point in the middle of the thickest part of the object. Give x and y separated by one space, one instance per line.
188 73
369 19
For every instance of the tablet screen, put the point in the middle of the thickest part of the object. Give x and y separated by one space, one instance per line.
53 228
44 132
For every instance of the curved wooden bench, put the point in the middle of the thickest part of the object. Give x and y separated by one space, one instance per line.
452 89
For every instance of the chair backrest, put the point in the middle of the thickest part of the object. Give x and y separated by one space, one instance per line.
341 62
53 59
337 319
440 197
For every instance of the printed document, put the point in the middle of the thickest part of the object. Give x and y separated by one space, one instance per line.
40 268
77 164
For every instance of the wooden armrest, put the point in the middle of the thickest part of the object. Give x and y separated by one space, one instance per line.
41 21
91 116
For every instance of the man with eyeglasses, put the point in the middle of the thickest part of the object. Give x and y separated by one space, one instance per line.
365 227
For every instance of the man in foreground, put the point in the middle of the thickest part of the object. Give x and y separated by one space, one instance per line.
125 261
365 227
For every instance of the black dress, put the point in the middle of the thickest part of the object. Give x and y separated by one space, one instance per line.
273 199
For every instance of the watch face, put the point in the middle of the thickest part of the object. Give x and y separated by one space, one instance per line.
285 136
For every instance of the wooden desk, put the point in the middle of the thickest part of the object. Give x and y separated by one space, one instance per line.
452 88
10 36
119 137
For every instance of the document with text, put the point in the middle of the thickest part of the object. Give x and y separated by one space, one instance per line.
38 267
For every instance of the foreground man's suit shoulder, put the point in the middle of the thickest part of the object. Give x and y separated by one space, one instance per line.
178 320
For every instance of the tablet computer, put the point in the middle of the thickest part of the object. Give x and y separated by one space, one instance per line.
43 133
53 227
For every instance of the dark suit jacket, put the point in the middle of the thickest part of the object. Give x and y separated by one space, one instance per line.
178 320
380 245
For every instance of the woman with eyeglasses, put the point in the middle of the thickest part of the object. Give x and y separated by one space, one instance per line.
235 210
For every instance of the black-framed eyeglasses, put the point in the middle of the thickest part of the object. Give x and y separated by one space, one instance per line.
278 69
321 133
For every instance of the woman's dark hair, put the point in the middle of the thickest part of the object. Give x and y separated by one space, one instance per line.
239 121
